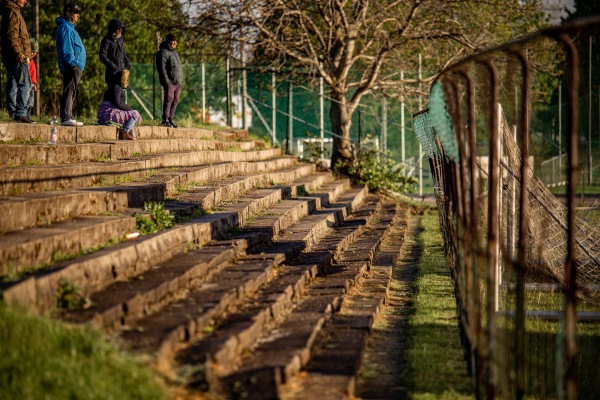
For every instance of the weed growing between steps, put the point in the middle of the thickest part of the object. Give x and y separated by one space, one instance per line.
46 359
379 172
68 296
157 219
435 356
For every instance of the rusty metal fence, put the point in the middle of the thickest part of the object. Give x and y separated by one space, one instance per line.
524 253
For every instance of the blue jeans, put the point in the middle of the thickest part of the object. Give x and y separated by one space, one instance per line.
30 101
18 86
128 125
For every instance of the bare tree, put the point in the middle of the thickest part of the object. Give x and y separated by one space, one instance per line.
358 46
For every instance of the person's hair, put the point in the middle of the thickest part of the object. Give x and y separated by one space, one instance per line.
71 7
125 78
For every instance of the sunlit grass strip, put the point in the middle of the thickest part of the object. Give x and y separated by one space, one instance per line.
435 355
45 359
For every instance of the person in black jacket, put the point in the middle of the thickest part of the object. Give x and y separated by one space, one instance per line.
112 52
170 74
114 108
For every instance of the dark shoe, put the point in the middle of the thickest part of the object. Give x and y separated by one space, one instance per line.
172 123
125 135
24 120
167 124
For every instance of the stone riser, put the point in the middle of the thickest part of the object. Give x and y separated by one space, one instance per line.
246 284
339 348
98 133
222 357
96 271
37 179
279 361
33 209
16 155
29 250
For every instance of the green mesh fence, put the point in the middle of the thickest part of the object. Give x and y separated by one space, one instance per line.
426 135
442 122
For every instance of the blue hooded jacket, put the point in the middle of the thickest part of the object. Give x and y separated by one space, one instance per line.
69 47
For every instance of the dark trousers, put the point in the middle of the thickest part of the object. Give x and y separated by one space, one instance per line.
171 94
71 79
18 86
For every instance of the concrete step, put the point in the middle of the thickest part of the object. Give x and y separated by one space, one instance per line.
31 209
15 132
19 155
161 333
285 349
96 271
32 249
67 176
115 306
339 347
218 353
120 305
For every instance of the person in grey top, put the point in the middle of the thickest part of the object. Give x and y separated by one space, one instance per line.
170 74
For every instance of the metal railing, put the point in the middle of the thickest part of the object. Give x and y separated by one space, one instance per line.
525 262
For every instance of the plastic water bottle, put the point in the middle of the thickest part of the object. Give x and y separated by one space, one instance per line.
53 136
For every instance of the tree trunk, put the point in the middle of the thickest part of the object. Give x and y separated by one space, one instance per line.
341 121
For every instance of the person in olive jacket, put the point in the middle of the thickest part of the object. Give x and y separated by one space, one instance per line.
170 75
112 52
16 52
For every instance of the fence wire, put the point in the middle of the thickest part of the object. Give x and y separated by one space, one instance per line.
524 251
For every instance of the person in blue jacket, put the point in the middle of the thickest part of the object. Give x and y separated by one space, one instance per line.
71 60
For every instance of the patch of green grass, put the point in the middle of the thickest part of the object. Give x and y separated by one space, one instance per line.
103 159
68 296
158 218
46 359
301 191
437 369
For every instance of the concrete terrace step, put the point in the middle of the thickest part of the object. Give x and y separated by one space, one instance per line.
338 349
217 353
31 209
97 133
126 260
281 354
23 251
162 332
55 177
116 305
16 155
122 304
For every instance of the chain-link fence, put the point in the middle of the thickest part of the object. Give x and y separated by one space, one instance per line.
510 139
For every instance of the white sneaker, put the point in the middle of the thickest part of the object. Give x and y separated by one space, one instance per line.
71 122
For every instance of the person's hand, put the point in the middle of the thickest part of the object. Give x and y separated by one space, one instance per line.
35 87
22 58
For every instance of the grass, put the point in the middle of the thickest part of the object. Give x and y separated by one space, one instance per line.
46 359
437 368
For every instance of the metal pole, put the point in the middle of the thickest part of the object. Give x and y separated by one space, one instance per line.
384 125
420 146
290 119
590 160
274 109
228 90
359 127
203 94
402 130
560 127
321 117
244 88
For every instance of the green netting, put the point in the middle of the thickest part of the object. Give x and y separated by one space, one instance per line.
426 135
442 122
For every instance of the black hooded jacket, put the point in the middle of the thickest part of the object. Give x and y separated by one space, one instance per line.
112 53
168 65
